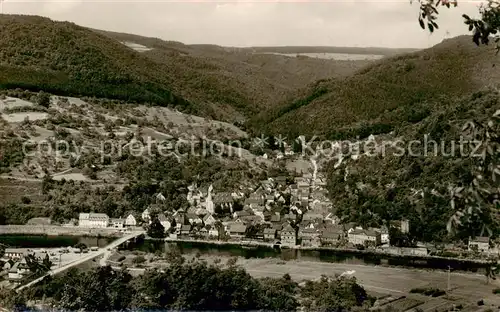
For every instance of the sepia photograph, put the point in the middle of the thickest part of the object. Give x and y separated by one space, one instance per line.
250 155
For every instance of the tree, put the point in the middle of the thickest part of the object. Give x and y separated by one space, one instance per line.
173 255
43 99
399 239
47 183
482 29
252 230
90 173
38 266
192 286
155 229
231 262
334 294
491 270
139 260
297 146
473 203
81 246
101 289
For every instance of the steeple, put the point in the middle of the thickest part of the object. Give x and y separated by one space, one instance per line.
209 204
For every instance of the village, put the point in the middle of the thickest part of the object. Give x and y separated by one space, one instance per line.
284 211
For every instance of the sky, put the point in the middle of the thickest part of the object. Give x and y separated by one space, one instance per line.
362 23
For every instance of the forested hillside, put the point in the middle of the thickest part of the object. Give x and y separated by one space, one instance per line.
386 94
242 82
419 180
209 81
63 58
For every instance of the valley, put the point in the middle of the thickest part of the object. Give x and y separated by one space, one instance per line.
377 150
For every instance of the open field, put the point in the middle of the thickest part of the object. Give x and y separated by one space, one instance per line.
11 190
466 289
19 117
10 102
377 278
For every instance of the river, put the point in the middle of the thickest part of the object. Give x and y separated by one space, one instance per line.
259 252
329 256
49 241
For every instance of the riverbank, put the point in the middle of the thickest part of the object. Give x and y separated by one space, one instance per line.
57 230
52 241
373 253
465 288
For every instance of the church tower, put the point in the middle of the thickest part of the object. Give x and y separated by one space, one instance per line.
209 204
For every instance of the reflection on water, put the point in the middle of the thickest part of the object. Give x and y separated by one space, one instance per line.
48 241
225 251
332 256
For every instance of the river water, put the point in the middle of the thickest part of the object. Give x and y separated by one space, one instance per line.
331 256
226 251
49 241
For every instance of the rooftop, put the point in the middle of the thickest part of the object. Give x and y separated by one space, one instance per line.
364 232
186 227
288 228
481 239
237 228
93 216
269 231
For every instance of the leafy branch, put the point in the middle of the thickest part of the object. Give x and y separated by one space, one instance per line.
487 26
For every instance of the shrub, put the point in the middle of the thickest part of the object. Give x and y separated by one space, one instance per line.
43 99
25 200
139 260
433 292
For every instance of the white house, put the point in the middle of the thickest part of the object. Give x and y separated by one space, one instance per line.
288 236
332 218
194 219
384 234
482 244
360 237
93 220
259 211
18 271
213 232
130 220
146 215
160 197
17 253
209 219
116 223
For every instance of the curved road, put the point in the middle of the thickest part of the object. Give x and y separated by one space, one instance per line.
90 256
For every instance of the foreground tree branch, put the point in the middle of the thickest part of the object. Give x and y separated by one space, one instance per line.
483 29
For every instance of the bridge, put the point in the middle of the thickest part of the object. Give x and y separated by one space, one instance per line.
106 251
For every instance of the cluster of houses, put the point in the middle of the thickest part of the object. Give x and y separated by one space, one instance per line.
283 210
15 271
286 210
14 266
